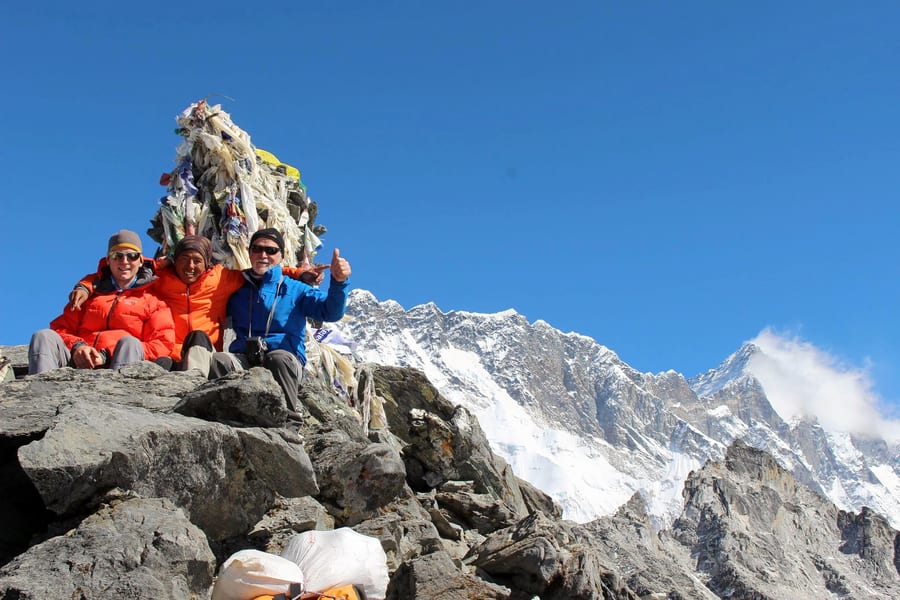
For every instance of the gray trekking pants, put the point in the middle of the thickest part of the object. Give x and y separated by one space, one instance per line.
47 351
284 365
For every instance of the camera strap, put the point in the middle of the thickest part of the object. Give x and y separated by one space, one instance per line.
271 310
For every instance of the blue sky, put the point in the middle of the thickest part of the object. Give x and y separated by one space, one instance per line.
669 178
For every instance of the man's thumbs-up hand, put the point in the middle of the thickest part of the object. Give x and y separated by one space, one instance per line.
340 268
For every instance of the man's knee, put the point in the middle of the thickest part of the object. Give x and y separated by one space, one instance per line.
46 351
128 350
43 336
223 363
198 358
197 338
284 362
287 372
129 343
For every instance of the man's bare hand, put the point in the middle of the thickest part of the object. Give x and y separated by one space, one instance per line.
315 275
87 357
340 268
77 298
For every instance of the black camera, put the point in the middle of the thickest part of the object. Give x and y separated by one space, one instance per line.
256 351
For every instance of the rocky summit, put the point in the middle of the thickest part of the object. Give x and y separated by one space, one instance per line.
139 483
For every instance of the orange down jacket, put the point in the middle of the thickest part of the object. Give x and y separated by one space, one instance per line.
200 305
108 315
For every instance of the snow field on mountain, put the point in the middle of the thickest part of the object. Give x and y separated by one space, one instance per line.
559 463
663 496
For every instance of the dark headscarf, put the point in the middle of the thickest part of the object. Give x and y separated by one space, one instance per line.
197 243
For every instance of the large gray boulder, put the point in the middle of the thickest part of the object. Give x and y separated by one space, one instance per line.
445 442
406 530
554 560
436 577
356 478
224 478
28 406
141 549
242 398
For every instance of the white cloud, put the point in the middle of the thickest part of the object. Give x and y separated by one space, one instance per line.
802 380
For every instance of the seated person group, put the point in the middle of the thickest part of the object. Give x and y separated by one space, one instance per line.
134 308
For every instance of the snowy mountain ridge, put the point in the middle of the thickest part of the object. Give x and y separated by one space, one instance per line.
578 422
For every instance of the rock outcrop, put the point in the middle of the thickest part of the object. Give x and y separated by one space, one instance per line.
138 483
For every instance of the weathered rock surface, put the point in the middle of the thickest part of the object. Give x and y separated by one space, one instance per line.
224 478
138 548
253 399
139 483
755 532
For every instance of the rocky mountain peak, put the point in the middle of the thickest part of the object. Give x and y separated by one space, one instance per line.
732 369
803 546
569 404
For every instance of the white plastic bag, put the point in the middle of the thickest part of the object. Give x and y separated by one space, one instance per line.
333 558
251 573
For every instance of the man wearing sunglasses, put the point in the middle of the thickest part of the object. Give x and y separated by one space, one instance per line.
121 323
269 315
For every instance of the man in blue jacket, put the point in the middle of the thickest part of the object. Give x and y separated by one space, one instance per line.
269 315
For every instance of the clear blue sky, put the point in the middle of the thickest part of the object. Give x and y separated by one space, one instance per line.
669 178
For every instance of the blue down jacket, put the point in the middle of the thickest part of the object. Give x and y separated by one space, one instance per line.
294 301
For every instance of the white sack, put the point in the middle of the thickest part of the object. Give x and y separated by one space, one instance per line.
340 557
251 573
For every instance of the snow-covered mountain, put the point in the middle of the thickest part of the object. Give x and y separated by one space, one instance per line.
575 420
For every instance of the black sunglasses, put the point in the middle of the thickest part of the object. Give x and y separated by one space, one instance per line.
132 256
270 250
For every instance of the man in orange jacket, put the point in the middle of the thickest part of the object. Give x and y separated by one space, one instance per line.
197 293
121 323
